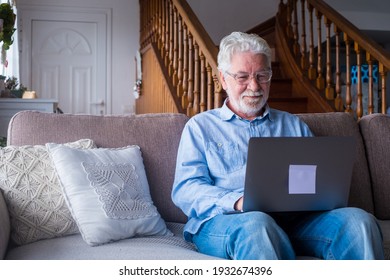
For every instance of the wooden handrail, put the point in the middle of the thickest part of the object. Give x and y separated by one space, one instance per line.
200 35
353 32
344 44
189 54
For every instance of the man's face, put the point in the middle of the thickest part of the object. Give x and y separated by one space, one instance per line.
246 100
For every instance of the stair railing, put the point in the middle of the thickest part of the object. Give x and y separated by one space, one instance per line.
186 50
347 66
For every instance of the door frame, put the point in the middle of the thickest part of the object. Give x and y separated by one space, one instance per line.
29 13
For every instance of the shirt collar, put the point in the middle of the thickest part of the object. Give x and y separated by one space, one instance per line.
226 114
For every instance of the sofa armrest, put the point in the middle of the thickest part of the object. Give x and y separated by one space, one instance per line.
5 226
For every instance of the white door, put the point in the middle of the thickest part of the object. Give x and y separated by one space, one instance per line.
66 58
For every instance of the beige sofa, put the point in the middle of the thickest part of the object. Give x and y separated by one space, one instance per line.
157 136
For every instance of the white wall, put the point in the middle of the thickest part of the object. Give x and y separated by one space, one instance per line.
125 43
365 14
221 17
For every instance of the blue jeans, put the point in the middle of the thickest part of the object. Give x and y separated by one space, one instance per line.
345 233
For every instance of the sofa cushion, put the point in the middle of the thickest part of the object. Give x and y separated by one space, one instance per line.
385 227
343 124
33 195
107 192
158 135
141 248
375 130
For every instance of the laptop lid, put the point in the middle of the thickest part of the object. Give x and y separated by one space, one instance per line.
298 173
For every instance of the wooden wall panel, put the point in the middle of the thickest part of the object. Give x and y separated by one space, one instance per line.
155 94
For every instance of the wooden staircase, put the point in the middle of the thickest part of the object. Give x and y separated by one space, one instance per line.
281 96
180 69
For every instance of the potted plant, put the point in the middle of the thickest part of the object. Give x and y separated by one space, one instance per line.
7 23
12 88
16 89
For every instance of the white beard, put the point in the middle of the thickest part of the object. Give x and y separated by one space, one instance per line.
250 107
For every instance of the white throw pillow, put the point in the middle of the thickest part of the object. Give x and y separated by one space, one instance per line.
33 195
107 193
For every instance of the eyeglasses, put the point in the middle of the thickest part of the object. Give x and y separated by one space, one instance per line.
261 77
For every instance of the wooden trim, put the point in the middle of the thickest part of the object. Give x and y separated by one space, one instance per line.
156 92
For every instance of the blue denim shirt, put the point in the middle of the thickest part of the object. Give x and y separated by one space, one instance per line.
211 160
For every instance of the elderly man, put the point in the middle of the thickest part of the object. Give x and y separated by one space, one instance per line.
210 172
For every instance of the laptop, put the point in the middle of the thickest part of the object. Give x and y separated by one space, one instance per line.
298 173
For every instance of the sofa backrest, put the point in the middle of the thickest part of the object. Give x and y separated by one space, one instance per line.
343 124
375 130
158 136
5 228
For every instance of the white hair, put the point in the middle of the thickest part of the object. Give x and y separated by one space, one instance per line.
237 42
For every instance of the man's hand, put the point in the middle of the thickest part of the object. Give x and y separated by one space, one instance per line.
239 203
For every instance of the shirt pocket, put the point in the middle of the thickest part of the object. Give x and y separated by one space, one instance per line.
224 157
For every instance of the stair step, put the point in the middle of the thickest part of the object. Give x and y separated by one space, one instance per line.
281 87
291 104
277 70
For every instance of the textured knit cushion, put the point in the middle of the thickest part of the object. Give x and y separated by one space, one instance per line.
33 195
107 192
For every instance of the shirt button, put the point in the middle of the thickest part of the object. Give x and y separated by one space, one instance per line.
219 144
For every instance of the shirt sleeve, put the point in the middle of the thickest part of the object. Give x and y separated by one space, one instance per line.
305 130
194 190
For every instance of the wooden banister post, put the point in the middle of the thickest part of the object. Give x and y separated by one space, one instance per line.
320 79
329 91
348 94
359 101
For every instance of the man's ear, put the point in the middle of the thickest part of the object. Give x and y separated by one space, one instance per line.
222 79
